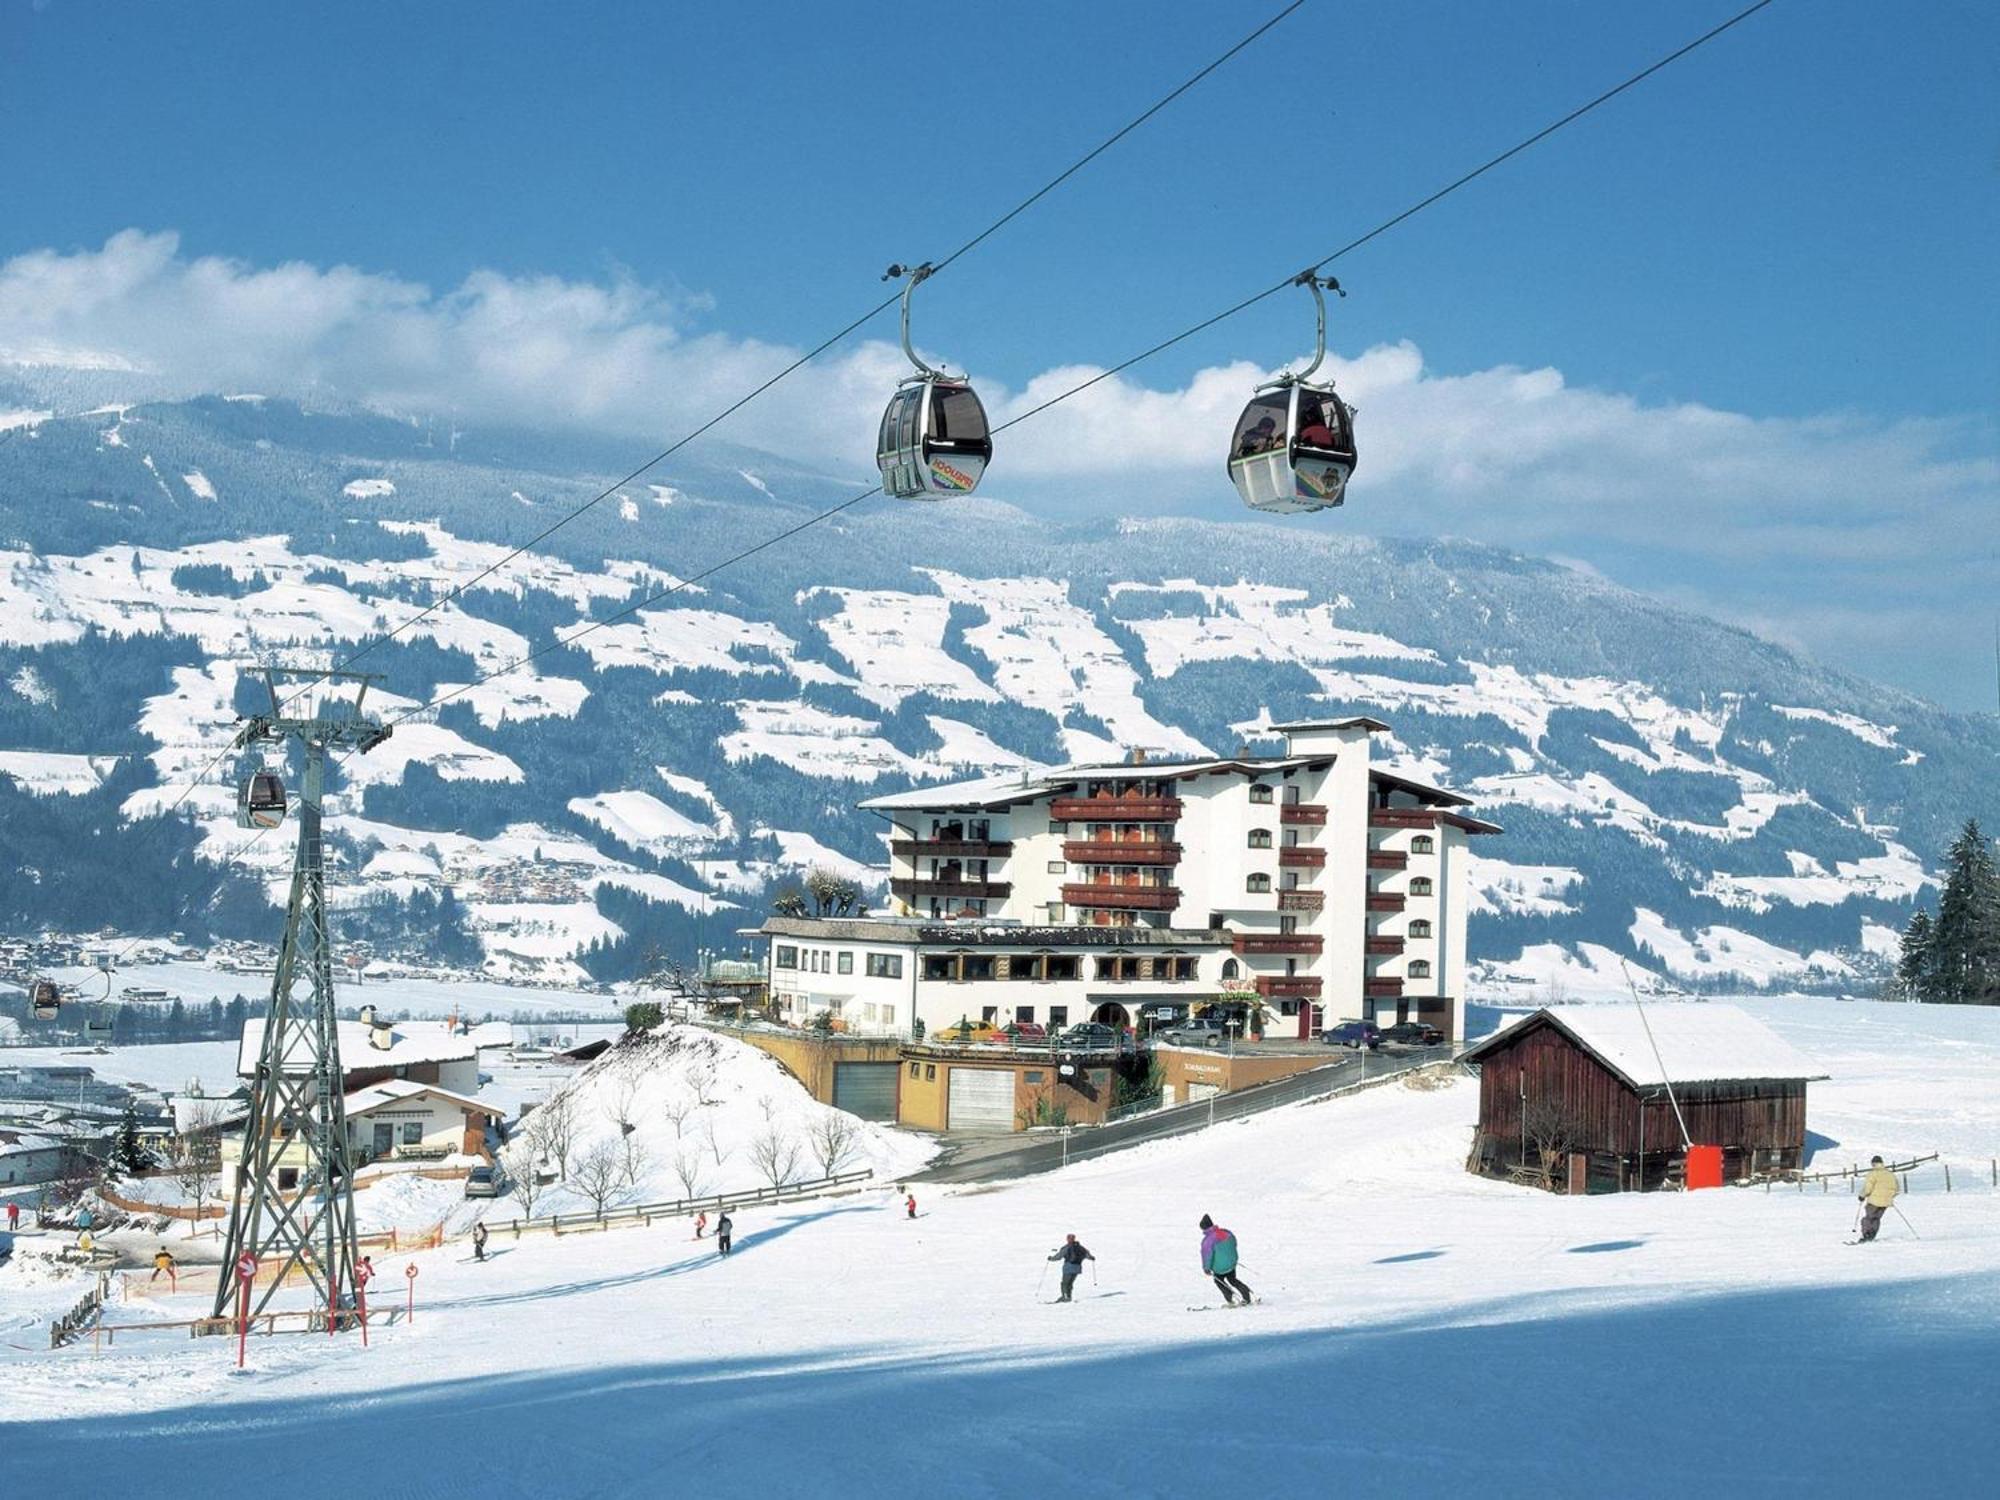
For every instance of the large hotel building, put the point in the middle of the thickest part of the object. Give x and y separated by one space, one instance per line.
1324 887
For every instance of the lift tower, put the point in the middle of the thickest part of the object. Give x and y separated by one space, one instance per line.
298 1123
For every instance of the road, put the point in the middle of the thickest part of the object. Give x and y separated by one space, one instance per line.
991 1158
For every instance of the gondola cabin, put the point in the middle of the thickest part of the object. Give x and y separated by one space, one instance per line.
46 1000
1593 1097
1293 449
260 800
934 441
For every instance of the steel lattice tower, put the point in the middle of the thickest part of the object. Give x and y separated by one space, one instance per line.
298 1118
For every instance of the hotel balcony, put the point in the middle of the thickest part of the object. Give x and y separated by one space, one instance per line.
1123 897
1288 987
1301 900
1382 989
1382 947
1402 817
1388 859
1302 812
1276 942
1115 809
949 849
1121 852
974 890
1385 901
1302 854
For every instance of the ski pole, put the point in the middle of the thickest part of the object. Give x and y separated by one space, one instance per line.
1093 1270
1906 1223
1042 1279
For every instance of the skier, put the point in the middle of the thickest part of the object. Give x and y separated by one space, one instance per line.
1878 1192
910 1205
701 1224
13 1216
479 1240
1072 1255
723 1228
163 1265
1218 1259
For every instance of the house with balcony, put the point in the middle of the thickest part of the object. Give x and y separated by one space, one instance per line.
1311 882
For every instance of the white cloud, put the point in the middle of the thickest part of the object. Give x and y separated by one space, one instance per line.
1760 518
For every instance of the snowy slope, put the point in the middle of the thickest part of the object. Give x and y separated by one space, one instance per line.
844 1349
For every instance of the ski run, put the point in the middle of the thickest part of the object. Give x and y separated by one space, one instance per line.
1429 1331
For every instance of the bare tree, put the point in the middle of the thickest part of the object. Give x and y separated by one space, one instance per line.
1553 1126
775 1152
677 1108
833 894
552 1130
524 1177
194 1155
621 1107
715 1147
701 1078
633 1159
688 1168
600 1175
833 1139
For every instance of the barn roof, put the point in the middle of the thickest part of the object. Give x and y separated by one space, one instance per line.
1698 1043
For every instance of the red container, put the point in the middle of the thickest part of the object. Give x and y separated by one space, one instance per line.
1704 1167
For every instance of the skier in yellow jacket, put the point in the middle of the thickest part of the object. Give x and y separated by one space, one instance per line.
1878 1192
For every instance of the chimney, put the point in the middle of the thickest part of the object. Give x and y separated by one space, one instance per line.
381 1035
1138 755
368 1016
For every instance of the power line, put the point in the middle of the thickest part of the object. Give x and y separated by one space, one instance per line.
1229 312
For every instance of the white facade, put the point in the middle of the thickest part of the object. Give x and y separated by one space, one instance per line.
1321 884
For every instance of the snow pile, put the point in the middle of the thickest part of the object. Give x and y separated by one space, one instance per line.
706 1113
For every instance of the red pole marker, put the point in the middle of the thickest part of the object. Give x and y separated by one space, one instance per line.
332 1302
361 1274
246 1273
410 1275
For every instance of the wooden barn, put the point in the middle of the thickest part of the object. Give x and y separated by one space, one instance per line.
1577 1096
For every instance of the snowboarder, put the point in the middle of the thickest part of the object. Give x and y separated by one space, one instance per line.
910 1205
163 1265
1218 1259
723 1229
1072 1255
479 1240
1878 1194
701 1224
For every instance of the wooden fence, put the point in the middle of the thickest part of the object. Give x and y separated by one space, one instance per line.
84 1315
679 1208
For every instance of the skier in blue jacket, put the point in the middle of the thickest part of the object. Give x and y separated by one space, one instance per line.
1218 1259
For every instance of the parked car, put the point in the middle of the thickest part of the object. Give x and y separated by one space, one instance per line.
1205 1032
1352 1034
481 1182
1025 1031
1412 1034
1093 1036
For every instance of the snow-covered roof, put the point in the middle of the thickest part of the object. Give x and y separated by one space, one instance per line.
1359 721
1698 1043
410 1042
999 791
981 791
491 1034
398 1090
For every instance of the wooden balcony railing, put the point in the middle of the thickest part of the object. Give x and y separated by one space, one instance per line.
1289 987
1402 817
984 890
1382 947
1385 901
949 849
1382 989
1302 812
1277 942
1302 854
1388 859
1301 900
1121 852
1115 809
1123 897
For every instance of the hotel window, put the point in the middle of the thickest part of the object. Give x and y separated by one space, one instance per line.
979 830
1181 967
1423 843
1259 793
988 1014
787 956
1420 968
1420 928
1291 796
1054 912
1260 838
1032 1076
1061 966
885 966
930 1072
1025 1013
413 1133
940 966
845 962
1258 885
1230 968
1420 886
1057 867
1023 966
913 1069
1056 825
1058 1016
977 966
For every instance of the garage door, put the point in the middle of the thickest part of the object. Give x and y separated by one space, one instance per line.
981 1099
866 1089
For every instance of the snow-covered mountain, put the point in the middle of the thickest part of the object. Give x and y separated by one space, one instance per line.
1674 790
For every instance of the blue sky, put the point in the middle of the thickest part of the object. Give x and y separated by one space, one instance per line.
1763 276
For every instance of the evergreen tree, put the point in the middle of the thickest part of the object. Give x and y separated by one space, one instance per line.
129 1155
1965 942
1913 968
